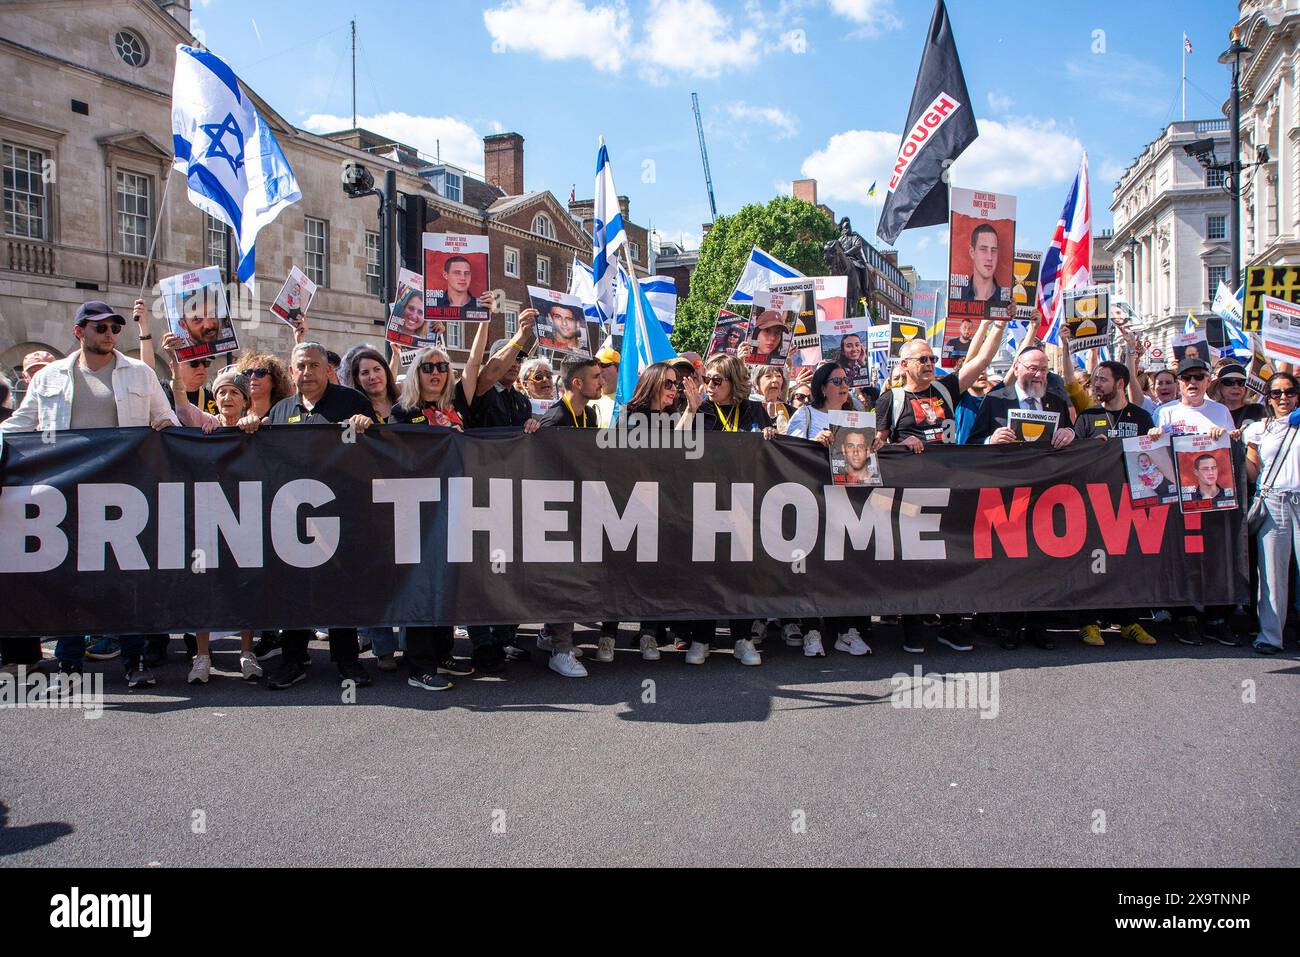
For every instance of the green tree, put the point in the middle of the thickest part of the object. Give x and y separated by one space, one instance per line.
790 229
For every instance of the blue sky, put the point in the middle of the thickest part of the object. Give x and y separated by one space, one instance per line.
788 89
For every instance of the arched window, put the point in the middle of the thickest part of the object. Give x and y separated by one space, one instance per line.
542 226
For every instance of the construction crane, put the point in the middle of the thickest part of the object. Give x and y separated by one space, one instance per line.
704 155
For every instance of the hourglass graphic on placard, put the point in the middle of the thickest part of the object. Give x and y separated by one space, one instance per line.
1020 270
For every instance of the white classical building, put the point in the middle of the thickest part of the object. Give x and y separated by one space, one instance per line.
1170 240
1270 117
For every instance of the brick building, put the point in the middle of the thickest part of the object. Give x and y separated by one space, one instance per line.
85 128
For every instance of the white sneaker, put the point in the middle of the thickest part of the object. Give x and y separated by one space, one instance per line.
566 663
249 667
852 642
812 645
696 653
605 648
793 635
201 670
546 643
649 647
746 654
461 632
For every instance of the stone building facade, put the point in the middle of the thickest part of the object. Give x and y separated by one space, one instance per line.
85 127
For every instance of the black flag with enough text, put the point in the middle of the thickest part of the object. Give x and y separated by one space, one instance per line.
940 125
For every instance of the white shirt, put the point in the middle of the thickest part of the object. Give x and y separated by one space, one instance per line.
1179 419
1268 437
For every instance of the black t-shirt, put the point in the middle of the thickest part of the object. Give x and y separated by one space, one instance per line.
201 398
337 404
1130 421
1248 413
561 415
499 407
923 413
750 418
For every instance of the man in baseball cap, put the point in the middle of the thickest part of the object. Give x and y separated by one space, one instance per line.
609 359
34 362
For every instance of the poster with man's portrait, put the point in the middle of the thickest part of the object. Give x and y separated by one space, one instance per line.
561 323
455 275
1192 345
1149 463
957 336
407 326
198 314
728 334
295 296
981 244
852 460
772 319
1205 478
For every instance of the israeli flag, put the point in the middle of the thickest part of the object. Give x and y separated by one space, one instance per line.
1227 307
661 291
760 272
644 343
607 235
233 166
583 286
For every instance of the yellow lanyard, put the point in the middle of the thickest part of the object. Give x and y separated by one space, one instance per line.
568 405
731 426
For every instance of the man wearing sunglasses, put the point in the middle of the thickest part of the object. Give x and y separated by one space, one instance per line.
1196 414
96 387
919 412
318 400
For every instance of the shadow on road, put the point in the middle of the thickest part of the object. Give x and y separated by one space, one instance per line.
667 691
19 840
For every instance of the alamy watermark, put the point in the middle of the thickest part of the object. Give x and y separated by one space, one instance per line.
976 691
24 691
656 431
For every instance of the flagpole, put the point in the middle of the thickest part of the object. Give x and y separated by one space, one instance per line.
153 241
1184 76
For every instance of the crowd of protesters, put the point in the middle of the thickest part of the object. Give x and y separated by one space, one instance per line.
506 386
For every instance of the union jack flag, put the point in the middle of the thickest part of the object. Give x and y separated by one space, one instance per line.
1067 264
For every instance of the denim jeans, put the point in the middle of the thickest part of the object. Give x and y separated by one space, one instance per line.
1279 538
383 641
71 649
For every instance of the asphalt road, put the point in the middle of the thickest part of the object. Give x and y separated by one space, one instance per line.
1119 755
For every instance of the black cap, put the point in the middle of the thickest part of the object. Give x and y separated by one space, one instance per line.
1191 364
1232 370
96 311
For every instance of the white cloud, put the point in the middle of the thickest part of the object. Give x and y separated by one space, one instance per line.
783 187
455 140
874 16
932 240
695 38
785 124
562 30
1007 157
1000 102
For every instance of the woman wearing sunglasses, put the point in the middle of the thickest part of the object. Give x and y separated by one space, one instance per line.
830 392
728 408
268 381
537 380
426 396
1273 458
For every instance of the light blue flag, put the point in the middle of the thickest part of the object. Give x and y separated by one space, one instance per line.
607 235
644 343
233 166
759 273
1227 307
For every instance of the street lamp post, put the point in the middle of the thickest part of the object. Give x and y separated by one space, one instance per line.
1234 52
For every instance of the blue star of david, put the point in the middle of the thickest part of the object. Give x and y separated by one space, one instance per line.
217 133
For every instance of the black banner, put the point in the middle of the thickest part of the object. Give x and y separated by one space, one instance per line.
130 530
